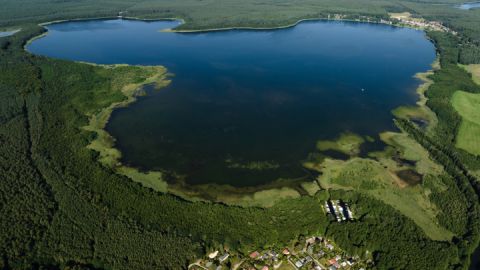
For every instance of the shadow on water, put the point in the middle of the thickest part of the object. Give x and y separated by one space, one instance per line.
335 154
475 260
372 145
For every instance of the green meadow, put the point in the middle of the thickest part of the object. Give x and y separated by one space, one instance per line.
468 106
381 177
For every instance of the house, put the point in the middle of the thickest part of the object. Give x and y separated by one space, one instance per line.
265 268
311 240
329 246
219 267
332 267
213 254
299 264
273 254
327 208
286 251
254 254
350 214
223 257
332 261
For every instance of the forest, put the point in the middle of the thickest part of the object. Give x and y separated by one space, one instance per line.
61 209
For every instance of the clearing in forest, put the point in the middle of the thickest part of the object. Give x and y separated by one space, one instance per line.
468 106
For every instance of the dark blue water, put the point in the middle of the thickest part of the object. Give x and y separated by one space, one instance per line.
247 107
468 6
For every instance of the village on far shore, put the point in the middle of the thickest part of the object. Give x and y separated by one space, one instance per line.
407 19
314 252
404 19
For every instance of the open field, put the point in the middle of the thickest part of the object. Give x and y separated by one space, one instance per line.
409 150
371 178
468 106
474 69
387 177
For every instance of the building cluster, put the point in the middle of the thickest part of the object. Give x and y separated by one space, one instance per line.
406 20
432 25
214 261
339 210
320 253
312 253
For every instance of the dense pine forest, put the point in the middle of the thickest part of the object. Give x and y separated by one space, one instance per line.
61 209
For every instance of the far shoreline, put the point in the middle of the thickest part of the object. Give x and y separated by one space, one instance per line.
183 22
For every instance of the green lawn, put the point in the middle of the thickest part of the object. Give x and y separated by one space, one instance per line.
474 70
468 106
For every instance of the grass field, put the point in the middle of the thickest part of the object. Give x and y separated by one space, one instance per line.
474 70
409 150
381 177
372 178
468 106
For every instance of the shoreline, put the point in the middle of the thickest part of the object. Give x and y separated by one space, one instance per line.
336 18
110 156
420 110
109 18
103 143
324 19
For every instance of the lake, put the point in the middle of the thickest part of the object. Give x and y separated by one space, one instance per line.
246 107
468 6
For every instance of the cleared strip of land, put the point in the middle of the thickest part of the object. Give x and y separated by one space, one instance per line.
468 106
475 71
